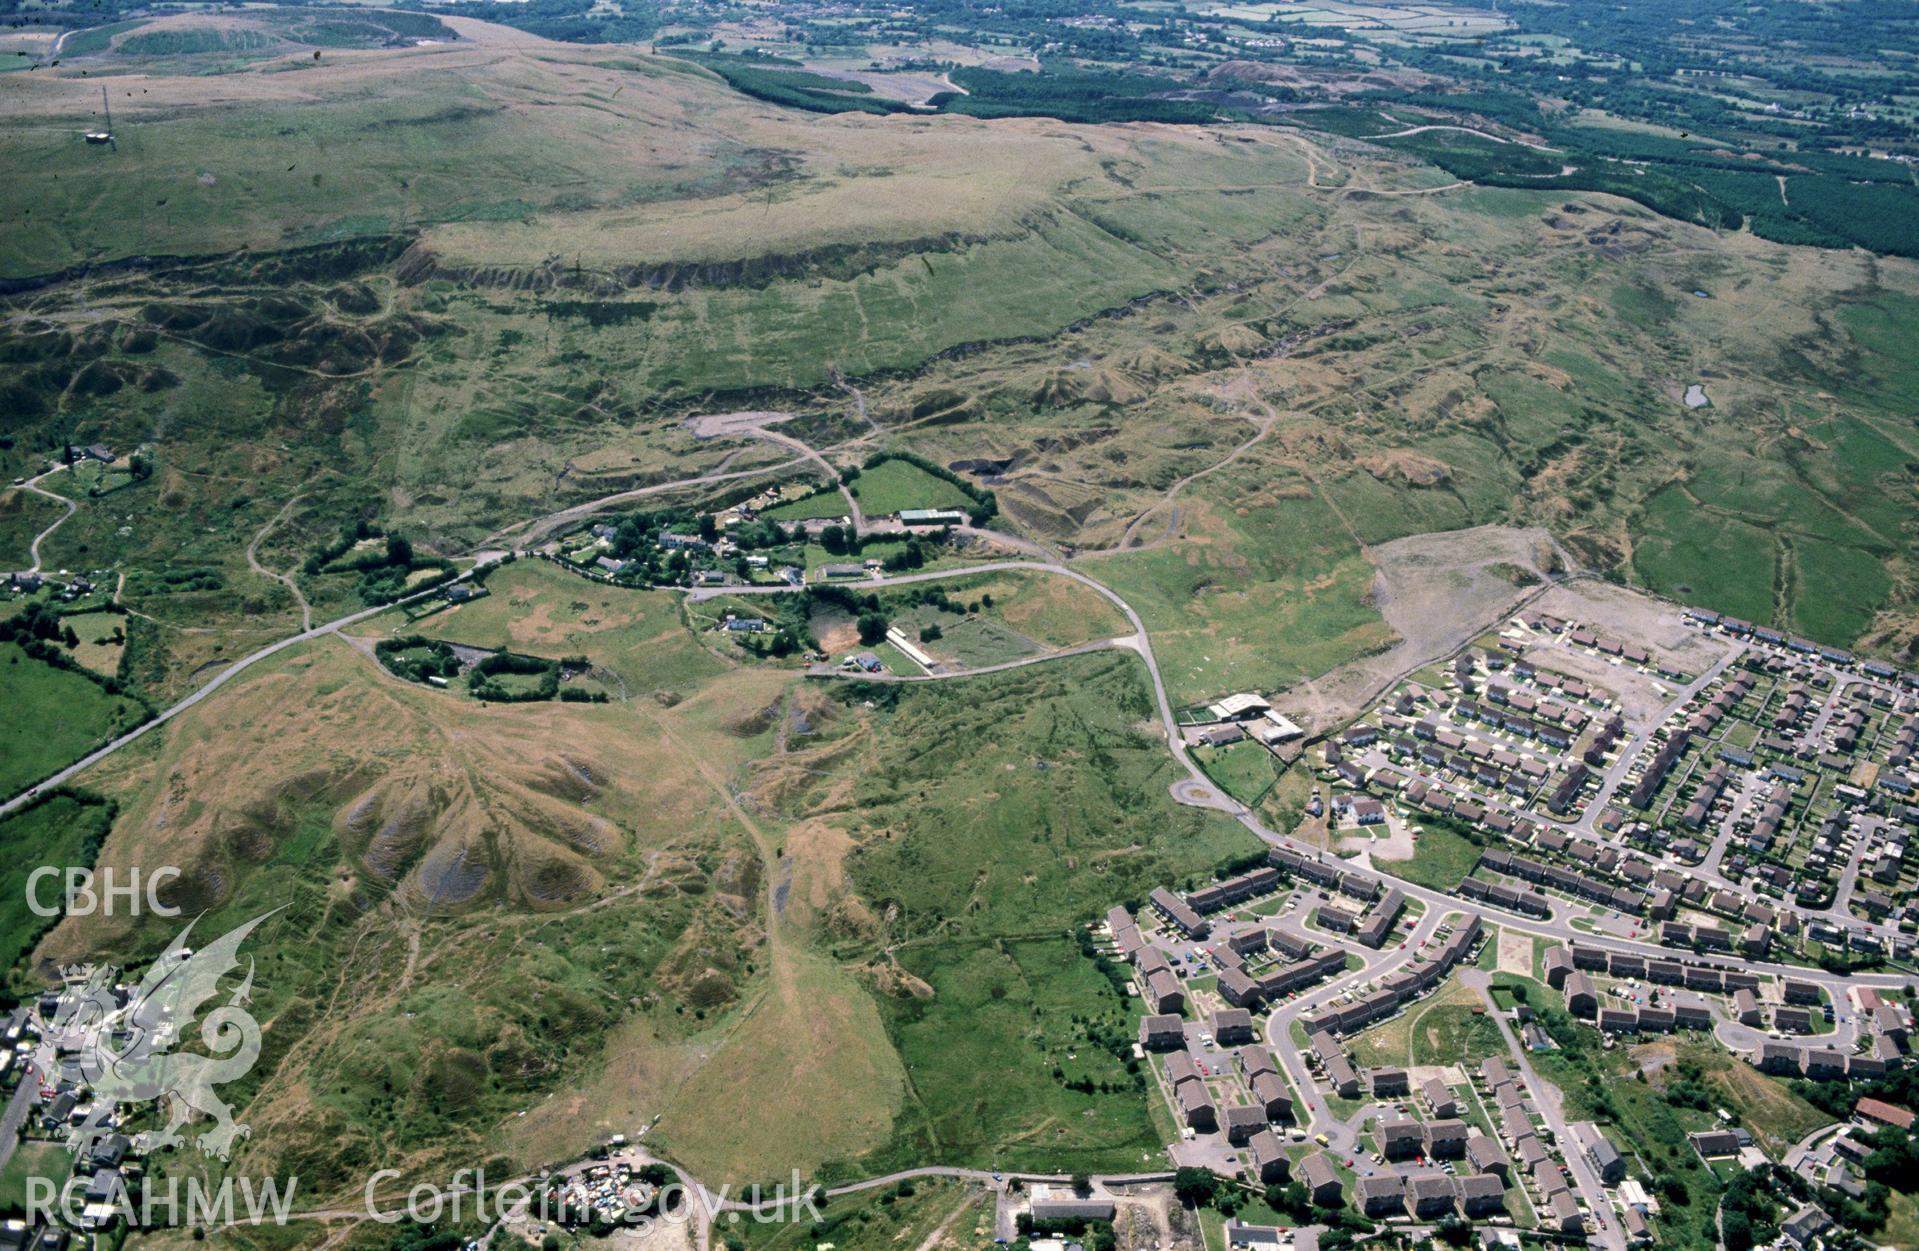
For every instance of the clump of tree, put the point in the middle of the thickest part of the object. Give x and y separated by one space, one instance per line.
429 658
486 672
45 636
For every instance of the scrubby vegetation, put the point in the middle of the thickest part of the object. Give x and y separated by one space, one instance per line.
989 922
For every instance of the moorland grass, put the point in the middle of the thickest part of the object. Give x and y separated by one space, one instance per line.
1005 821
1217 626
905 1215
1050 610
538 608
1698 558
520 998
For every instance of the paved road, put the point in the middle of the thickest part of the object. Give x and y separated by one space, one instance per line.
1613 779
1815 1147
825 466
1318 1117
1615 775
956 671
219 680
540 527
1138 641
1196 789
1546 1097
706 1206
1262 427
25 1095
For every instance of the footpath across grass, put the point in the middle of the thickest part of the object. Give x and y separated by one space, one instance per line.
1028 803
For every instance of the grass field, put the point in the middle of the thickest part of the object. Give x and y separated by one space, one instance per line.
826 505
822 925
893 485
57 717
539 609
96 632
1244 770
1274 595
23 514
1050 611
884 953
46 1160
1902 1222
62 831
516 845
1441 857
970 639
1441 1029
912 1215
1398 398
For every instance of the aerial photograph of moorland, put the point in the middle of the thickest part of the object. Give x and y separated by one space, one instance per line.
1062 625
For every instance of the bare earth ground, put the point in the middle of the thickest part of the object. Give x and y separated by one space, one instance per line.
1515 953
1641 696
1436 591
912 88
1615 610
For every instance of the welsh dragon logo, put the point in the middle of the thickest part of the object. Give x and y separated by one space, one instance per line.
124 1045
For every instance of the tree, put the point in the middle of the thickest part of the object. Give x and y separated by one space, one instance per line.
1194 1187
929 632
872 628
1291 1198
709 528
1082 1185
399 551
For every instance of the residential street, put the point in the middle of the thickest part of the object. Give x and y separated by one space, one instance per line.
1546 1097
1197 790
